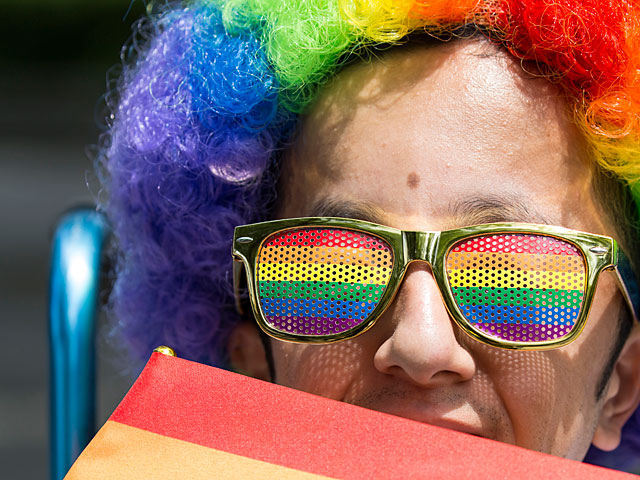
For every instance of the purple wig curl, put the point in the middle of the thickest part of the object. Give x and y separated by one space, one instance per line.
180 166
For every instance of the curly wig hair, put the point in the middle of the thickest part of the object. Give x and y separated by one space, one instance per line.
209 97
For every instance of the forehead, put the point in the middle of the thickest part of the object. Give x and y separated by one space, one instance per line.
431 137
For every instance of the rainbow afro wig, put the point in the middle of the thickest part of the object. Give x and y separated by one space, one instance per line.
210 94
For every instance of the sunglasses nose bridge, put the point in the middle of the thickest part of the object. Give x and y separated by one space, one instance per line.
419 246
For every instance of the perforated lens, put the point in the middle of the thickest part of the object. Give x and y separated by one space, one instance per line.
321 281
518 287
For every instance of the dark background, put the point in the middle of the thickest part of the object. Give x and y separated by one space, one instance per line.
54 56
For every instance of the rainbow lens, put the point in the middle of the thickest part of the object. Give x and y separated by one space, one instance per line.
321 281
518 287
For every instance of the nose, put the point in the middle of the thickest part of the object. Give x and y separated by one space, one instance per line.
420 340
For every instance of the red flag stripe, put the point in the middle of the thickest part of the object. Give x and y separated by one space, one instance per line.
224 411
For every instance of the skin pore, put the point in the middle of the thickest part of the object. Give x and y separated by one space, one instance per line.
439 138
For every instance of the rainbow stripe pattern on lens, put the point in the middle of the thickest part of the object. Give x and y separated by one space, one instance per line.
321 281
518 287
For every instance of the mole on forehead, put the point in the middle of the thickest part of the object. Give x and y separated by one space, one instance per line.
413 180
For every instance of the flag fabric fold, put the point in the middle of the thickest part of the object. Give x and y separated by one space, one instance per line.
186 420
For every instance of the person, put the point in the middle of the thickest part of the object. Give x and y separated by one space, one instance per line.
366 120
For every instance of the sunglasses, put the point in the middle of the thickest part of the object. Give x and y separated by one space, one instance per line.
509 285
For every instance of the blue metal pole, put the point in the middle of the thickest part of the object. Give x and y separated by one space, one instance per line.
74 284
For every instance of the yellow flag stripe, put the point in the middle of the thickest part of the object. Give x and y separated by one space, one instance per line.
322 272
516 279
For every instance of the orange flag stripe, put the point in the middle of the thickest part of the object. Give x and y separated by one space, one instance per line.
121 452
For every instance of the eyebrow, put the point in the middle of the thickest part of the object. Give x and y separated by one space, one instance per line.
492 208
475 210
326 207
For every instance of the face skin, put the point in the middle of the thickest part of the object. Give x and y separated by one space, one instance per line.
433 138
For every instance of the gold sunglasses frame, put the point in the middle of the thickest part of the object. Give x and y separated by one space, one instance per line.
599 252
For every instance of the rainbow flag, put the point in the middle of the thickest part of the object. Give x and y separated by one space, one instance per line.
186 420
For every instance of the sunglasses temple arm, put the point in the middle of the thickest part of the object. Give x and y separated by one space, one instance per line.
628 283
238 270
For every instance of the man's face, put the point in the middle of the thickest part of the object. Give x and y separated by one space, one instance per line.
433 139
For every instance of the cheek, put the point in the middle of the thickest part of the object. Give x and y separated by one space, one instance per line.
526 382
546 398
326 370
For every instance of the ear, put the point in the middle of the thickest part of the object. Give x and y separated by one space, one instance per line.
622 396
246 351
